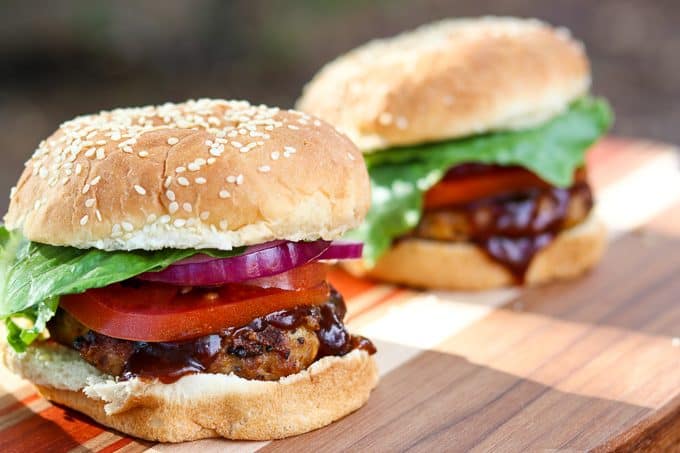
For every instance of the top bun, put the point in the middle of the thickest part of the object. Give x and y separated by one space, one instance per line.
450 79
201 174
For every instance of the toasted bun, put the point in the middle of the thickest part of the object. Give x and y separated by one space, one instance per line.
201 405
202 174
450 79
464 266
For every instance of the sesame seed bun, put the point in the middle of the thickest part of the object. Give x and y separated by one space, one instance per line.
464 266
450 79
201 174
201 405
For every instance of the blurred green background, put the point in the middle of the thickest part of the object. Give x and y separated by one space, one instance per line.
63 58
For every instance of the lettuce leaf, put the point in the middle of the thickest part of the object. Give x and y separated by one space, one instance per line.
400 176
34 275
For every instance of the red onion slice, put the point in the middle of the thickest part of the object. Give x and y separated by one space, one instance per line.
343 250
202 258
276 257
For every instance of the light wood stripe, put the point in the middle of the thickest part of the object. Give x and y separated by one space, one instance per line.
636 198
97 443
22 413
134 447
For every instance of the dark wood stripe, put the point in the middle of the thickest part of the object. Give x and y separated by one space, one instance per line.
606 334
53 430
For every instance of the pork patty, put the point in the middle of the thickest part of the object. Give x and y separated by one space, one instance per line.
270 347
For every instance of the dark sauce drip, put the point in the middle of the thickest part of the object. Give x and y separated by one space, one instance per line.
512 229
171 360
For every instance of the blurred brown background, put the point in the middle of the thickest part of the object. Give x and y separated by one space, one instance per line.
63 58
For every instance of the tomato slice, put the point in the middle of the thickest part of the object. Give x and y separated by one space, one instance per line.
153 312
300 277
467 188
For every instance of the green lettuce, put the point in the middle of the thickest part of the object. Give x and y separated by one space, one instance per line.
400 176
34 275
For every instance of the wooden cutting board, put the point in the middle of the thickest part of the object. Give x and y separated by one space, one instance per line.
588 364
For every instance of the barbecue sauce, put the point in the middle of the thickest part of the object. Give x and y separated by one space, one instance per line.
512 228
169 361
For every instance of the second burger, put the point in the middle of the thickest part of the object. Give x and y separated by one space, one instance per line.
474 133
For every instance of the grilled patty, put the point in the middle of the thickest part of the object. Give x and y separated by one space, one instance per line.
270 347
515 215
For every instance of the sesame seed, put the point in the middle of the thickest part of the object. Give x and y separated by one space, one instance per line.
200 180
239 179
350 156
182 181
215 152
100 153
211 160
90 152
79 168
317 123
95 180
275 155
173 207
224 224
179 223
86 188
43 172
224 194
84 219
98 214
205 215
289 149
236 144
127 149
173 141
100 142
170 194
180 169
193 166
264 168
164 219
143 153
151 218
140 190
127 226
293 127
231 179
167 182
115 229
402 122
385 118
89 202
187 207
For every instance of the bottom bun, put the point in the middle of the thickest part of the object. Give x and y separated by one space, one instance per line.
464 266
201 405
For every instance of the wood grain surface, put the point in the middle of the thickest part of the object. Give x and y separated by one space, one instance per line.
591 364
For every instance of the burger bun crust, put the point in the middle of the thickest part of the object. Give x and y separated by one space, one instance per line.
464 266
202 405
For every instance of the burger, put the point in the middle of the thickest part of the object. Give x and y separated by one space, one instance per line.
162 271
474 133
